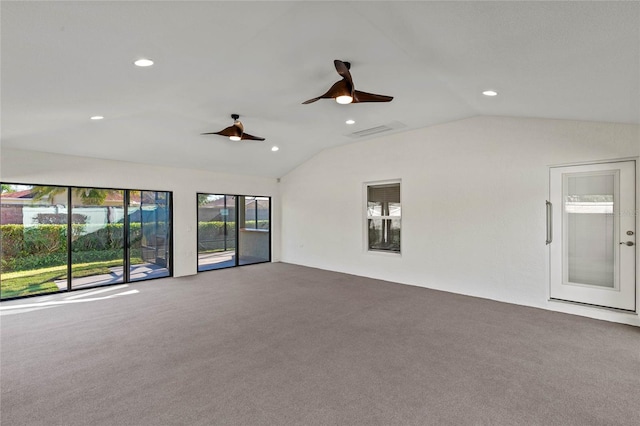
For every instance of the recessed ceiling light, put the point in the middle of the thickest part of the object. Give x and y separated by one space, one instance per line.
143 62
350 121
490 93
97 117
274 148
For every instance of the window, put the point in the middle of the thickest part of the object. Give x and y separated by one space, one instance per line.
383 217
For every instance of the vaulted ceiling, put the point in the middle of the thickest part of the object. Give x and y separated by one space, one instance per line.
63 62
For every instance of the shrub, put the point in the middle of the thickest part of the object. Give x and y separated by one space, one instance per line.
45 239
109 237
97 256
211 234
26 263
46 245
213 230
11 240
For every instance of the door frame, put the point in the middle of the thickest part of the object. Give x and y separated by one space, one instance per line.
636 311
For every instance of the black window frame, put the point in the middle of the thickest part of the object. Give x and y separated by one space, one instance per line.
126 247
237 235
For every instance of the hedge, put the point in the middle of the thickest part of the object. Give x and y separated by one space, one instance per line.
41 239
211 235
46 245
214 230
28 263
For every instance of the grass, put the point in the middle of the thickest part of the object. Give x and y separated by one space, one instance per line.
37 281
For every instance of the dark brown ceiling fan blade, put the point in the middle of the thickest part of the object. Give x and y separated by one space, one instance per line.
247 136
234 130
344 90
342 87
343 70
229 131
310 101
359 97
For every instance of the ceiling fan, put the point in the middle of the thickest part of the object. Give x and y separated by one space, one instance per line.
236 131
344 91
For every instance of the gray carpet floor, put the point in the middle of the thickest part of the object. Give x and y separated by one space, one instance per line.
279 344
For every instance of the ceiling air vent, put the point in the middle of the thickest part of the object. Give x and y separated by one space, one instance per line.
376 130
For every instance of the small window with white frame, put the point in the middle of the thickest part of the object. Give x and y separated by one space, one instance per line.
383 217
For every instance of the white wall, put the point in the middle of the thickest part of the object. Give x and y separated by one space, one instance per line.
31 167
473 200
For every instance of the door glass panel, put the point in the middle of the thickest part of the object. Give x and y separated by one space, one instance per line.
216 231
590 225
149 235
33 232
255 230
97 248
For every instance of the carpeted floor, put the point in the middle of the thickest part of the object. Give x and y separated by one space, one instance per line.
278 344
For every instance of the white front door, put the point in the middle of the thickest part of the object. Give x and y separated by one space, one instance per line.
592 235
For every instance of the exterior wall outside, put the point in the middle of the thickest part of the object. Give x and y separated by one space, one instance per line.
11 213
29 167
473 205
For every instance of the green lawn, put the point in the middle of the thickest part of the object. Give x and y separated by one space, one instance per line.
38 281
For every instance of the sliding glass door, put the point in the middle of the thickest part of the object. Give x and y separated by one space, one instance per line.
149 234
216 231
57 238
97 242
33 233
255 225
233 230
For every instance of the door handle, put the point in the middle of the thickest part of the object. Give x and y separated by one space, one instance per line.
628 243
549 223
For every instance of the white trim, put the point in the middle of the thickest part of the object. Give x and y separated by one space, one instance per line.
365 227
588 163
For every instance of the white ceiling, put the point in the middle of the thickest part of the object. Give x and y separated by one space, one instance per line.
63 62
